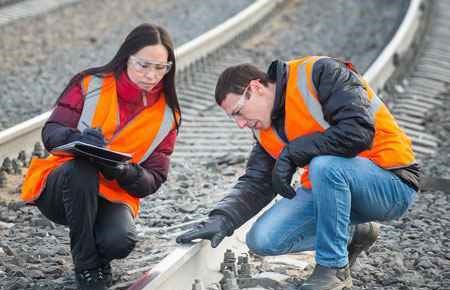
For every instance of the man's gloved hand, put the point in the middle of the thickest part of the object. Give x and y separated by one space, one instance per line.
93 136
282 175
215 229
124 173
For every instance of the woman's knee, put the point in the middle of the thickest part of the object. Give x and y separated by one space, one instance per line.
116 244
79 172
79 168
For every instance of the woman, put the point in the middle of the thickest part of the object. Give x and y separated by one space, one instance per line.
128 105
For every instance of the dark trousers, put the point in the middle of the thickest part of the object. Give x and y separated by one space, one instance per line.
99 230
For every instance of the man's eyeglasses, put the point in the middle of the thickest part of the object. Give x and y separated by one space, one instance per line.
145 66
239 104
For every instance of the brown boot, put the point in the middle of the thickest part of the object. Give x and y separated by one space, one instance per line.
324 278
363 238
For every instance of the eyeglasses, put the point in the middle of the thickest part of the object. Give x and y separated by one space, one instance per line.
239 105
145 66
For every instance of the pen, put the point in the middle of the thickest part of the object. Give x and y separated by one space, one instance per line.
88 126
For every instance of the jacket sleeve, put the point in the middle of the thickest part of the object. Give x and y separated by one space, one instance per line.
154 169
61 127
252 192
345 107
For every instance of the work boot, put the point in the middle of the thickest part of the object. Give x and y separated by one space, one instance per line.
92 279
107 273
363 238
324 278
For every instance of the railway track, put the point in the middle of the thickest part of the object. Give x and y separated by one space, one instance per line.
208 128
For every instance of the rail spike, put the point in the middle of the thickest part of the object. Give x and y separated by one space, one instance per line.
198 285
38 150
229 262
17 170
229 281
22 157
3 179
7 166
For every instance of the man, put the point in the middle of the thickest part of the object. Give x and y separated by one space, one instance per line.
314 113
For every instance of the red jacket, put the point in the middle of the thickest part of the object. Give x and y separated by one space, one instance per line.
61 128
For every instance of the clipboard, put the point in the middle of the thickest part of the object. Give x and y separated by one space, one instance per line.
93 153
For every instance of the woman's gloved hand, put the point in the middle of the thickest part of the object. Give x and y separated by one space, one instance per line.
124 173
92 136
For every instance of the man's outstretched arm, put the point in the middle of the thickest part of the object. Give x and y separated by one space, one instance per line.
252 192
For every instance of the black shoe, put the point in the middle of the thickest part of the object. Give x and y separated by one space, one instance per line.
90 280
107 273
323 278
363 238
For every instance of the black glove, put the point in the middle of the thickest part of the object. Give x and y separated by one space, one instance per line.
123 173
92 136
282 175
215 229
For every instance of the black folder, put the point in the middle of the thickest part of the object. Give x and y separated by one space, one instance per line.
92 152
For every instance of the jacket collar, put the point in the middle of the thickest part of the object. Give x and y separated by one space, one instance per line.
278 73
129 92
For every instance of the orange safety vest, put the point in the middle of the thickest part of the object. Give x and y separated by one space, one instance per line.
139 138
391 147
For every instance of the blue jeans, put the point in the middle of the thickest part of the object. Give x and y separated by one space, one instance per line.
345 191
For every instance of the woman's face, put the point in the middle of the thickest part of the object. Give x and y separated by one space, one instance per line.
148 66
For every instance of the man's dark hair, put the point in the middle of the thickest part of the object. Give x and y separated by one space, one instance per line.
235 78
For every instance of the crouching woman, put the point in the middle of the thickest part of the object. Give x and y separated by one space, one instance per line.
128 105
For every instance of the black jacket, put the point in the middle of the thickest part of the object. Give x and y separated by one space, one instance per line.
345 107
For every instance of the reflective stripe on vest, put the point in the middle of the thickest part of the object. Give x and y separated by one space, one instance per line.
101 110
304 81
304 115
166 126
91 87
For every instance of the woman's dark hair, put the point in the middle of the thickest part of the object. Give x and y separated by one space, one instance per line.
141 36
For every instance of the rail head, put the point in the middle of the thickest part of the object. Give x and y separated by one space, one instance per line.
385 64
22 136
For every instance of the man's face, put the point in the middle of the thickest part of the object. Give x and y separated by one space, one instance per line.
252 109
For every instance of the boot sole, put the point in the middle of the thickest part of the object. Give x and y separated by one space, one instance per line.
347 286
